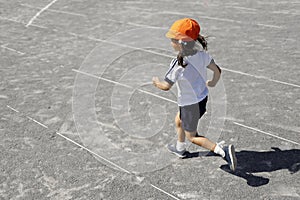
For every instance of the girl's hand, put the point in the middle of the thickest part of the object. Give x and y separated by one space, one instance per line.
155 81
163 85
210 84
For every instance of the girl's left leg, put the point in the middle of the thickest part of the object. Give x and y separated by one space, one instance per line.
200 141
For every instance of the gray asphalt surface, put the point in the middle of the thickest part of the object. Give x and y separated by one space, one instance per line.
81 120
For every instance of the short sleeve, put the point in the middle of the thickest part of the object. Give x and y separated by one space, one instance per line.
207 59
173 72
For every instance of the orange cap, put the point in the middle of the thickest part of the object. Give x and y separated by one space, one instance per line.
185 29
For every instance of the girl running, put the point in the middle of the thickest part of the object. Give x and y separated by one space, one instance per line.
188 71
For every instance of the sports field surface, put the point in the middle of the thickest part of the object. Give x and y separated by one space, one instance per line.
80 118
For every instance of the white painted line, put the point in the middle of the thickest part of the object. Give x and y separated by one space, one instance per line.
95 154
222 19
12 109
282 82
11 20
55 11
137 25
11 49
19 22
38 13
285 12
254 11
261 77
123 85
241 8
169 56
139 9
269 26
158 96
218 19
39 123
164 192
279 2
161 54
70 140
266 133
101 78
38 26
120 44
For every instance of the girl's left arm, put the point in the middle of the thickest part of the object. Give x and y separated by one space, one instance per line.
216 76
163 85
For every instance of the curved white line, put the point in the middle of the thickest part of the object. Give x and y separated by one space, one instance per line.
38 13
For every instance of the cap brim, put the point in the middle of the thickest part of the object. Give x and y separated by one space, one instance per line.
178 36
171 35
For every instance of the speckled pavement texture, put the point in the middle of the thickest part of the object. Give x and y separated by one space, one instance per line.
80 118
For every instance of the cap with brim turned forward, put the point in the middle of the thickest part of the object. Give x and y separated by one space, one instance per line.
185 29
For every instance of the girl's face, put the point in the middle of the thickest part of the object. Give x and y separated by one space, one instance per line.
175 44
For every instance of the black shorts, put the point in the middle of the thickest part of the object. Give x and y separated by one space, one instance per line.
191 114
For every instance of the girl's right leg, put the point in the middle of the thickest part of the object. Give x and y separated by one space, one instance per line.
228 152
180 146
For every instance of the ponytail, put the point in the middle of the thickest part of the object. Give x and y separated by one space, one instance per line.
202 40
180 59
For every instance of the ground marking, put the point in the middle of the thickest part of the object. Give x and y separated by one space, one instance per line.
19 22
254 10
169 56
224 20
11 49
241 8
140 9
266 133
56 11
70 140
124 85
115 165
39 123
165 192
146 92
134 24
95 154
269 26
280 2
11 20
120 45
156 53
149 51
12 109
30 22
261 77
38 13
285 12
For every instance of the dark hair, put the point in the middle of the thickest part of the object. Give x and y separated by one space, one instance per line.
188 49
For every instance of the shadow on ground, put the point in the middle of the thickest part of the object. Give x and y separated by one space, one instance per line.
250 162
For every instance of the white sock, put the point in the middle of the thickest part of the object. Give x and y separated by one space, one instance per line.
219 150
180 146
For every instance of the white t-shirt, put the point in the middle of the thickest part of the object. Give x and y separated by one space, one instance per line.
191 80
